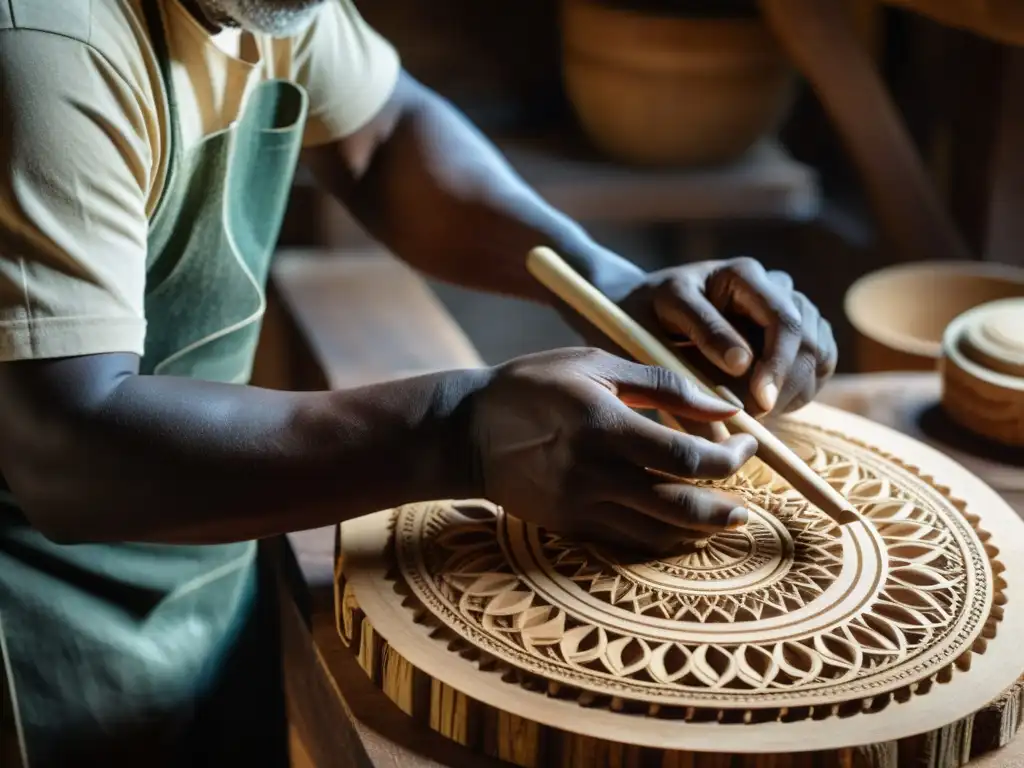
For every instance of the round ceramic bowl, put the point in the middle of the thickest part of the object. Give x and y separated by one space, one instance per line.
983 371
899 314
667 88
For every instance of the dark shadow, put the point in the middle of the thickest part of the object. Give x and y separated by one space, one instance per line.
937 426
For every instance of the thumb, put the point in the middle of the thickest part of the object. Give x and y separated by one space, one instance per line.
656 388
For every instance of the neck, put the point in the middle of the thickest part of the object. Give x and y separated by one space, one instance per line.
212 21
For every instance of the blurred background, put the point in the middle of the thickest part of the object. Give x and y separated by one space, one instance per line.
829 139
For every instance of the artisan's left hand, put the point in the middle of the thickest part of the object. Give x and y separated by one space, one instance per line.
781 366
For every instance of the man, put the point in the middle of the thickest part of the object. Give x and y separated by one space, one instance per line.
148 148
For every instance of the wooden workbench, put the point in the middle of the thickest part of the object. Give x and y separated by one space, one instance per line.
367 317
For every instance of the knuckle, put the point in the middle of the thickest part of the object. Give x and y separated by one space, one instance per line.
681 289
664 380
809 343
593 356
684 285
803 371
745 265
789 320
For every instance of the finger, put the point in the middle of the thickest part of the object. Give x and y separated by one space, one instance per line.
682 505
827 358
647 444
657 388
801 384
746 288
620 523
715 431
682 308
801 381
828 352
781 279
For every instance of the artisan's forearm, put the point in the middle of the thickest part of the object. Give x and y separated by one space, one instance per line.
171 460
442 197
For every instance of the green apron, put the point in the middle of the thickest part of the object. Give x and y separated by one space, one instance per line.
152 655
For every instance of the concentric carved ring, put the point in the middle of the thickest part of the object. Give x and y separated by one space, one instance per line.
789 612
541 650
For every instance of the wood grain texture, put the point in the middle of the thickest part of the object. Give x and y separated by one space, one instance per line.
910 403
385 733
434 661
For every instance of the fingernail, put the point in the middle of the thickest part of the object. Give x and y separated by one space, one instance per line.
767 394
737 518
736 360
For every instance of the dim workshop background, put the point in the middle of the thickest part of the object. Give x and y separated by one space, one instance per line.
877 150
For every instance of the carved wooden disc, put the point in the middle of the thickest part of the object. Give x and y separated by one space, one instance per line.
754 637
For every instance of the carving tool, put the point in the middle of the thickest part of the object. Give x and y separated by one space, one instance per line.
562 280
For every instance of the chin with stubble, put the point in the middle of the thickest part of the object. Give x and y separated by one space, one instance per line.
277 18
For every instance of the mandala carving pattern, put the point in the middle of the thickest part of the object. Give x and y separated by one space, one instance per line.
786 613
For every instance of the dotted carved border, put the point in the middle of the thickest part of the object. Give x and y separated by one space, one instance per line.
875 693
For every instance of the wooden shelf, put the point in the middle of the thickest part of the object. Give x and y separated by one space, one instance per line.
765 184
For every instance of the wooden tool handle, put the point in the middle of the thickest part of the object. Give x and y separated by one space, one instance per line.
559 278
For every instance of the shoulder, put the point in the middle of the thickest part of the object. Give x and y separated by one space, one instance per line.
67 45
79 88
78 20
112 30
68 18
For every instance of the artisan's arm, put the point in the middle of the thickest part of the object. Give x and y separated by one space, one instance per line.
95 452
428 185
424 182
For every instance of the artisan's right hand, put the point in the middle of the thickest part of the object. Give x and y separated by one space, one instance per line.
557 444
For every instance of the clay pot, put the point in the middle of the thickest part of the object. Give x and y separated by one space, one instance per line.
900 313
656 88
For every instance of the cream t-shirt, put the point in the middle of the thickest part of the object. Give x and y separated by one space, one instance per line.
83 147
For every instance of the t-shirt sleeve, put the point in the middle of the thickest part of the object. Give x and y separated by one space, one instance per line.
348 69
74 177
